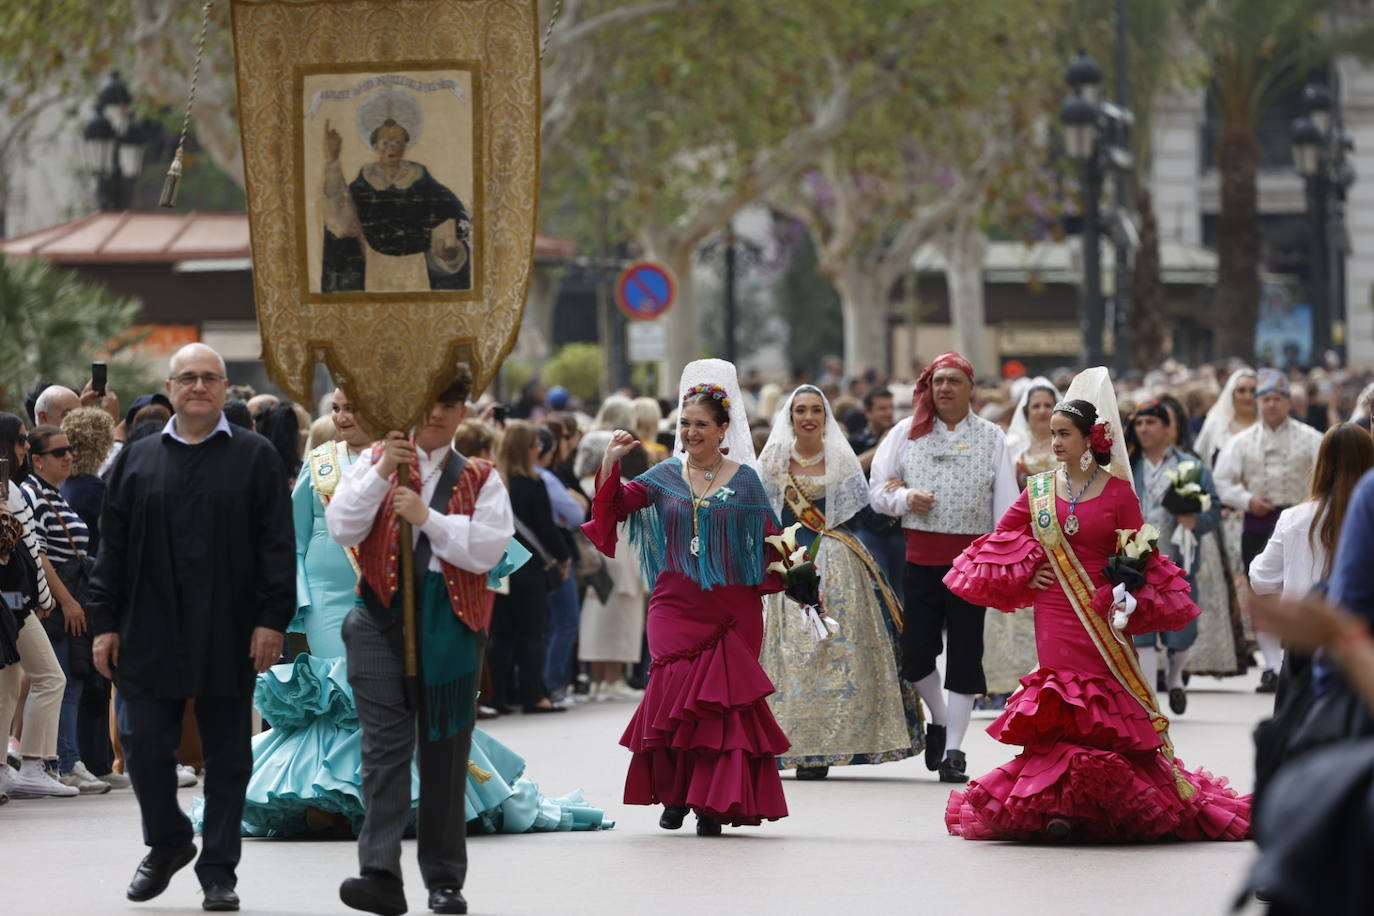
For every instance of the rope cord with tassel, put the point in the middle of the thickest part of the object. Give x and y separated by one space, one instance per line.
173 181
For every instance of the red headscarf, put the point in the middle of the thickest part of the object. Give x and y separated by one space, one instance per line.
923 399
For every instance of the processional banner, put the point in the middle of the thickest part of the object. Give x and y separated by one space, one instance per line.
391 156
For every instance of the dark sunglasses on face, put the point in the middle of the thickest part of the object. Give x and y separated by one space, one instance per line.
62 452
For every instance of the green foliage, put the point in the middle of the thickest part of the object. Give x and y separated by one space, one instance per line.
577 367
53 323
810 306
515 375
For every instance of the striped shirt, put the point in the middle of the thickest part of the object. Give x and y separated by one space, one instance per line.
19 508
50 514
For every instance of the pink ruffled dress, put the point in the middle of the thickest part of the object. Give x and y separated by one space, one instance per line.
703 735
1091 755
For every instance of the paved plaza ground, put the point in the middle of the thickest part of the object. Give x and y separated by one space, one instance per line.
866 840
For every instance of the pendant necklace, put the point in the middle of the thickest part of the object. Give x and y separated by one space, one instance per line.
1071 522
808 462
699 501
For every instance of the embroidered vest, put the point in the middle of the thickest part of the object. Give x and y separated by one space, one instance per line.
1278 463
960 472
379 553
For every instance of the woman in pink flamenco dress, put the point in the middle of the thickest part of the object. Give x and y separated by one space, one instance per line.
1096 763
703 737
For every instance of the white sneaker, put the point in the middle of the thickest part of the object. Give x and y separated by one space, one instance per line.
6 777
186 777
81 778
600 691
34 781
12 754
622 691
116 780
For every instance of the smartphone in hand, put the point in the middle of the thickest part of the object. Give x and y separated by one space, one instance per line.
99 376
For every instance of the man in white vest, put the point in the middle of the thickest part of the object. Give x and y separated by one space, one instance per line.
946 473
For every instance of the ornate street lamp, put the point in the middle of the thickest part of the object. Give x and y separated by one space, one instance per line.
113 145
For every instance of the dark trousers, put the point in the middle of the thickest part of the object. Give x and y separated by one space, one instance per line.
150 731
93 726
390 730
517 653
889 550
1252 544
931 613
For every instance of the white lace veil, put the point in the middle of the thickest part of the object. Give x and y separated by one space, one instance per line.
1216 428
737 438
1095 386
846 488
1019 432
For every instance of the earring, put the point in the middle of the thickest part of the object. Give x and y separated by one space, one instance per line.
1086 460
725 449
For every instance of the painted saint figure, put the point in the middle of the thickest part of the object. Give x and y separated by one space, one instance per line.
394 228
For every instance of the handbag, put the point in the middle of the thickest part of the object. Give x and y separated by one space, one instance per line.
553 575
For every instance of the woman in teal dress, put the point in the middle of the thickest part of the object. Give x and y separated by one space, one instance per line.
840 700
306 768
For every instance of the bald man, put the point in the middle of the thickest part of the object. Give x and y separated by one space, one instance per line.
193 588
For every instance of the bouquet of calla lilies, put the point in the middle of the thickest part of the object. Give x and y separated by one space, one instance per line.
1125 569
1185 495
802 581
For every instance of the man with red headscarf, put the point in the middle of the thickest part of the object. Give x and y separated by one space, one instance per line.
947 474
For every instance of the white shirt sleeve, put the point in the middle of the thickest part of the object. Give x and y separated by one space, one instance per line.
1226 475
1004 488
1266 570
353 509
474 542
887 464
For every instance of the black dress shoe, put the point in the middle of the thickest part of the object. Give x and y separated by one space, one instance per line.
1178 700
155 872
1269 682
935 746
812 772
952 768
1058 830
374 894
673 816
220 898
707 826
447 900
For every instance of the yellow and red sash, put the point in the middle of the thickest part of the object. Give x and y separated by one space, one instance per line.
327 462
1119 655
805 511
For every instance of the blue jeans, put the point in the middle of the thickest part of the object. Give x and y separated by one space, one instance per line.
68 754
560 635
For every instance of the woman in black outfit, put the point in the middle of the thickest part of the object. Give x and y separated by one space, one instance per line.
516 652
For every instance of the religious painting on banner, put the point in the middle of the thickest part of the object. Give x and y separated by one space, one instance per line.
391 156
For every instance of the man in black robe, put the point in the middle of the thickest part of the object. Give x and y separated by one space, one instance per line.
193 588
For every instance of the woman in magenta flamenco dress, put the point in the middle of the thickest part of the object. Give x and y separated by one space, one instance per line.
1097 764
703 738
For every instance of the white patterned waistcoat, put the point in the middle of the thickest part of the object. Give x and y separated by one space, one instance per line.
959 470
1279 463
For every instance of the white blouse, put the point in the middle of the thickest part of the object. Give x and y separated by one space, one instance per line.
1290 564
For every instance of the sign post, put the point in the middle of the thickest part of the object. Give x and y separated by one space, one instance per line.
645 291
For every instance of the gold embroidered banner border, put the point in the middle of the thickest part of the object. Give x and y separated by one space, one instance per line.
392 350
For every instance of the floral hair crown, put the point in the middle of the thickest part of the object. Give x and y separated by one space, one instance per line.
1100 438
715 391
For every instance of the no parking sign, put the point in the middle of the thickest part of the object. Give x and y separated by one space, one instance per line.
645 290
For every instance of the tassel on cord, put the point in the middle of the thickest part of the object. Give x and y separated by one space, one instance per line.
172 183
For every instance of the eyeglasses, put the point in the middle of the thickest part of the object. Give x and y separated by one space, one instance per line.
189 379
62 452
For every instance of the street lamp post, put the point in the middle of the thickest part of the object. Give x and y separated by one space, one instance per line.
1096 136
1320 148
114 145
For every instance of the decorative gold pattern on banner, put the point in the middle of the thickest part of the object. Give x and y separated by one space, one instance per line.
393 350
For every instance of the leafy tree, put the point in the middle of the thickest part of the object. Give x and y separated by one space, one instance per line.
53 324
577 367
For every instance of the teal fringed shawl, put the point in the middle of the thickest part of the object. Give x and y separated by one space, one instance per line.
731 526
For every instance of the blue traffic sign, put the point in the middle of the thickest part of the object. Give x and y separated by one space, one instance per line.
645 290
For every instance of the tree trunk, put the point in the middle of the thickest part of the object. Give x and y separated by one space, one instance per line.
1235 303
965 255
1147 290
684 337
863 305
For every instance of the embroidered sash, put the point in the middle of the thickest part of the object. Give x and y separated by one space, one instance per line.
1121 659
328 461
809 515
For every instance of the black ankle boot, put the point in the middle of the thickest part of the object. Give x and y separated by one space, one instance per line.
673 816
707 826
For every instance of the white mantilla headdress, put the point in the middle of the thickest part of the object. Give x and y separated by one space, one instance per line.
846 488
1095 386
1216 428
1019 432
722 374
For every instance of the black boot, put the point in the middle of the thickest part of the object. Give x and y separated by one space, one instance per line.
935 746
673 816
707 826
952 768
805 773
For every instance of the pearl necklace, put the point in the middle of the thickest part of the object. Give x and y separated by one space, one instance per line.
808 462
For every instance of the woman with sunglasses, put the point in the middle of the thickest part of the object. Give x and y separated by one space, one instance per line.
29 777
64 544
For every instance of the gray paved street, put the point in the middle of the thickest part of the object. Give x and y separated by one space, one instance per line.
867 839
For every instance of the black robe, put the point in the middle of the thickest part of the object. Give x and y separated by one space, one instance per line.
197 549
